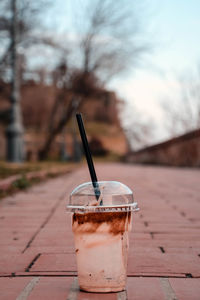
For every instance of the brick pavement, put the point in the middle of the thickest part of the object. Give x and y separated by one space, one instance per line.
36 244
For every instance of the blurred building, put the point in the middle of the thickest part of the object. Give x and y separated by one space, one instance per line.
100 115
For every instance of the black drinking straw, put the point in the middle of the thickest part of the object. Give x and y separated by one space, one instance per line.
88 156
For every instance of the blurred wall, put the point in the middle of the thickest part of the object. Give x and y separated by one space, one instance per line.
181 151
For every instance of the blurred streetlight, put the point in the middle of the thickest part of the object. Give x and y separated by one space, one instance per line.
15 130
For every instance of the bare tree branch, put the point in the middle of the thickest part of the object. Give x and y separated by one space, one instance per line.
108 37
183 112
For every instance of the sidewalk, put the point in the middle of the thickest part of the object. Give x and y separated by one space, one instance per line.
37 258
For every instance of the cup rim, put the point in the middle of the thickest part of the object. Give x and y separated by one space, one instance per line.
107 208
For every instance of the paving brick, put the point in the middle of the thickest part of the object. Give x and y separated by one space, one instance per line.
177 244
188 250
184 227
168 243
186 289
10 249
15 237
177 237
55 263
51 288
139 236
144 288
144 250
10 288
58 236
163 264
20 220
57 249
12 263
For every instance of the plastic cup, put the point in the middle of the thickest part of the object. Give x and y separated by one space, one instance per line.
101 234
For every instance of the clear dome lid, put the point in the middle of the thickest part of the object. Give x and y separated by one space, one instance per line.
105 196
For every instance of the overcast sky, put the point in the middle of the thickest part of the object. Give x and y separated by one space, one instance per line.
174 26
177 51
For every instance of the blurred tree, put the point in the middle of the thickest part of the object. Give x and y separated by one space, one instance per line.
183 112
28 19
108 41
108 37
62 109
71 86
138 129
18 20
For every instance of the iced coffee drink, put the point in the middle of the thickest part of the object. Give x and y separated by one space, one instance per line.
101 235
